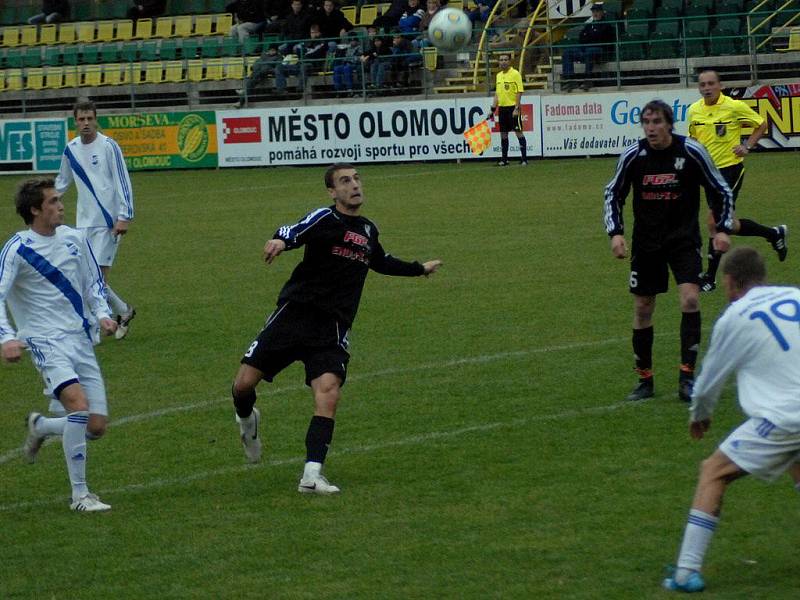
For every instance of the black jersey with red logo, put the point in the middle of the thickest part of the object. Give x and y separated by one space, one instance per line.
666 193
339 251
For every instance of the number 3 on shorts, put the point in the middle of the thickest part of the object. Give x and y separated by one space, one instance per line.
251 349
634 279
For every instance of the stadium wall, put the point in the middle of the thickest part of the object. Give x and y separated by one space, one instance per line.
558 125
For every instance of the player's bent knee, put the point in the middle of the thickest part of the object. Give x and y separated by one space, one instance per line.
690 304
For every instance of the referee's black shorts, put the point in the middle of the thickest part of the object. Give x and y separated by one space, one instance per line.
300 332
506 119
734 175
650 269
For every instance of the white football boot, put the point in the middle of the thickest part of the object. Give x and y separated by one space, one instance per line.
251 440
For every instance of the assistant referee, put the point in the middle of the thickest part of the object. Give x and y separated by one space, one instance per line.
506 105
716 121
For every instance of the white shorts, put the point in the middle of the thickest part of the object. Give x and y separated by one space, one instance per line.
104 244
68 359
762 449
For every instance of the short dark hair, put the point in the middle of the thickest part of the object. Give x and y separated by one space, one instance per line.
661 107
708 70
745 266
30 195
502 54
330 173
85 106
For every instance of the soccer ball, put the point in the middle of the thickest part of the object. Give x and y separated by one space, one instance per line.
450 29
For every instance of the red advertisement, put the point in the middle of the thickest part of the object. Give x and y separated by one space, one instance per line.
241 130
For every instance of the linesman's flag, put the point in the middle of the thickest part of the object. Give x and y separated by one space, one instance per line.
479 137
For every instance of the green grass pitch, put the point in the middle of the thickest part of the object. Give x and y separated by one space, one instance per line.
482 444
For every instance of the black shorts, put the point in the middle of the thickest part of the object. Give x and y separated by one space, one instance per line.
300 332
734 175
506 119
650 270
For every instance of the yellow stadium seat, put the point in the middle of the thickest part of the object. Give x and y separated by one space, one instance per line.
350 13
183 26
194 69
214 69
112 74
132 73
34 79
13 80
66 33
105 31
794 41
29 35
154 72
144 29
223 22
173 71
124 30
164 27
234 67
48 34
2 80
86 32
10 37
251 60
367 14
71 76
202 24
54 78
92 75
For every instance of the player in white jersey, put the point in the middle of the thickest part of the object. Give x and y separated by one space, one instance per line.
105 198
758 338
50 280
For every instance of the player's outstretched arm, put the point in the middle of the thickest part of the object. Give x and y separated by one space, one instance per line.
272 249
432 266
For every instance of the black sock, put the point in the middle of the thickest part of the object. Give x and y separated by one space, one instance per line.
523 148
690 341
318 438
643 351
243 403
504 148
713 260
748 228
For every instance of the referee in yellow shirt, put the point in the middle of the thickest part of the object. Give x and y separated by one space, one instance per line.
716 121
507 96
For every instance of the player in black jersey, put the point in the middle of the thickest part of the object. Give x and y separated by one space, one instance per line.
666 172
314 313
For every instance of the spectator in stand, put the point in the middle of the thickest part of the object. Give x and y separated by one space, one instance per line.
332 23
432 7
404 56
146 9
53 11
296 27
391 17
596 43
345 63
265 66
482 10
249 17
375 60
411 17
311 55
275 13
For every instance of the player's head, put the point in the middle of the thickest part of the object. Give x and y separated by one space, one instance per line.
742 268
658 122
37 200
85 113
504 60
344 187
598 11
709 85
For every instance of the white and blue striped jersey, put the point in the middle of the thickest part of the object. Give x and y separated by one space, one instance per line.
50 283
758 338
104 187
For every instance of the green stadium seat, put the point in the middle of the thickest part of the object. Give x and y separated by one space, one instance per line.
32 57
69 55
722 45
571 38
113 9
217 6
727 7
9 15
674 5
698 9
148 51
90 54
728 26
229 47
109 53
168 50
670 28
637 13
210 48
252 45
697 27
662 45
52 56
82 11
13 58
129 52
190 48
696 47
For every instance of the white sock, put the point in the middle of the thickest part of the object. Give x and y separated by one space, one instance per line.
74 442
50 425
312 469
56 408
118 305
700 528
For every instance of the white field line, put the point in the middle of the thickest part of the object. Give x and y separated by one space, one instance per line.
414 440
15 452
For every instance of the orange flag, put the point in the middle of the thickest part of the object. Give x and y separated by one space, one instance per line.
479 137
